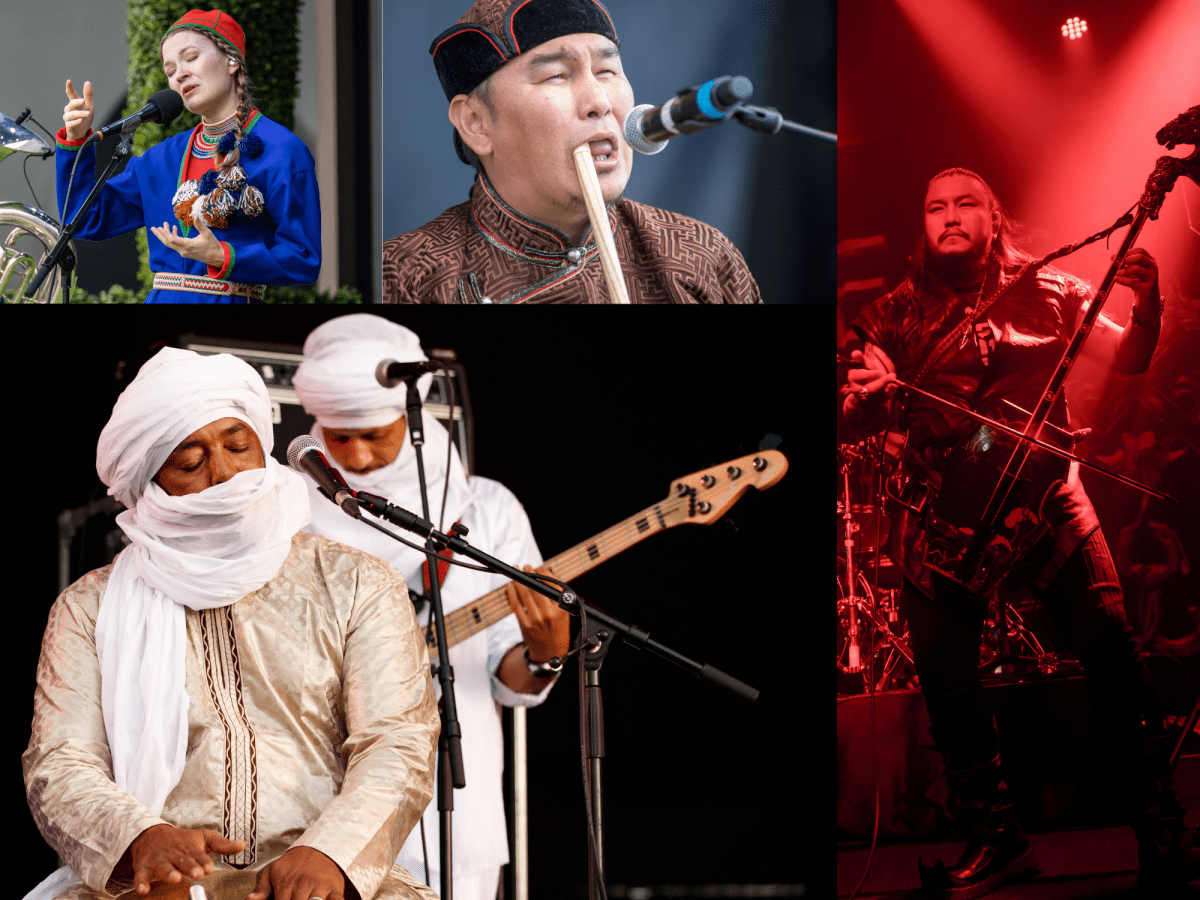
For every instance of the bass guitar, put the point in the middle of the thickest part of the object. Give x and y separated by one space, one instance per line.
696 499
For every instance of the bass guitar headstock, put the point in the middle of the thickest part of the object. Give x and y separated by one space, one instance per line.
704 496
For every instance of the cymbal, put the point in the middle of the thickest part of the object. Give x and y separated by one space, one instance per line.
14 138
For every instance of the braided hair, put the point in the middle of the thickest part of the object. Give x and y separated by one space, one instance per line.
245 88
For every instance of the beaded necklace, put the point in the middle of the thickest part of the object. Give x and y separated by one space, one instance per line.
205 144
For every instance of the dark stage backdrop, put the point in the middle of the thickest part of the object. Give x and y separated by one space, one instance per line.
773 196
700 788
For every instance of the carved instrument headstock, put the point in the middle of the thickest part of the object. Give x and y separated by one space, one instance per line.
1183 129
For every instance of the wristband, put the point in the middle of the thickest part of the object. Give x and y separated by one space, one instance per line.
1136 323
542 669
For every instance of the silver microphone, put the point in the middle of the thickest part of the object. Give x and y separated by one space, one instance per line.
304 455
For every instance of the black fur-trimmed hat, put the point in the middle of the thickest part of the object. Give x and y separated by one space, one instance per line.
492 32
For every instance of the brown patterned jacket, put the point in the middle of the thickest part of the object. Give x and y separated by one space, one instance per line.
486 250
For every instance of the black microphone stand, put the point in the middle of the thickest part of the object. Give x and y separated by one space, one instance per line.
450 774
768 120
62 247
594 640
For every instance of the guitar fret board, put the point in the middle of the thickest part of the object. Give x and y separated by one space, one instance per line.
467 621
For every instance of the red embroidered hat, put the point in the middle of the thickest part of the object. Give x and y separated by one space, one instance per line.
492 32
218 23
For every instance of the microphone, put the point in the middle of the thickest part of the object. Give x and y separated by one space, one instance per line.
163 107
648 128
304 455
390 373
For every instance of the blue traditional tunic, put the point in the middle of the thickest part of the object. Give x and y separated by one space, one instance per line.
281 245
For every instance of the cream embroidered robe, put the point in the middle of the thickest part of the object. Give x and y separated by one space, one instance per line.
312 721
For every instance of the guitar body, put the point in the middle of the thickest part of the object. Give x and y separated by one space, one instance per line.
976 466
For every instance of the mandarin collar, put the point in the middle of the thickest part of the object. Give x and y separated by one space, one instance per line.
524 237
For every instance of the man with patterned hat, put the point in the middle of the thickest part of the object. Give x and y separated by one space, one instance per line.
503 658
229 686
528 82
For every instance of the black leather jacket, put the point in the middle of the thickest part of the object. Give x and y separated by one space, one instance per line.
1009 355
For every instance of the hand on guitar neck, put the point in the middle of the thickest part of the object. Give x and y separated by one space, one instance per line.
546 629
1139 273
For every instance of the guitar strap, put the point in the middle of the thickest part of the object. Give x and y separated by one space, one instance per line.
968 324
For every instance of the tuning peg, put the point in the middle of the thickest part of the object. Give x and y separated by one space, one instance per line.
708 481
734 472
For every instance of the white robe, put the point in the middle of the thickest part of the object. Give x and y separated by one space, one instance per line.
499 526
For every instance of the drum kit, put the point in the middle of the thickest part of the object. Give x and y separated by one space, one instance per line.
30 232
873 645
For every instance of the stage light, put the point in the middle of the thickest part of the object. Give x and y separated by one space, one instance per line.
1074 28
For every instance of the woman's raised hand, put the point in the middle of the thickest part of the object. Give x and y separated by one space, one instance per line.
79 112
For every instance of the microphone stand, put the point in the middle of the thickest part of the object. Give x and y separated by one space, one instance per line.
768 120
450 774
61 254
595 639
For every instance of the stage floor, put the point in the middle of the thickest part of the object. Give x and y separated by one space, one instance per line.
1073 863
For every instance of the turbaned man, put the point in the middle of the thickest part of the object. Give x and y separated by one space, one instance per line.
228 685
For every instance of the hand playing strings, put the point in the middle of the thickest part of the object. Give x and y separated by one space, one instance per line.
1139 273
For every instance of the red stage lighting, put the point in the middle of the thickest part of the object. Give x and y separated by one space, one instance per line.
1074 28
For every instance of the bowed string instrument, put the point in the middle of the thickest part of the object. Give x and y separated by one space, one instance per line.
991 543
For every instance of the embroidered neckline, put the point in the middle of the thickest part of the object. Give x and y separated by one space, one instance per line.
566 262
552 259
206 138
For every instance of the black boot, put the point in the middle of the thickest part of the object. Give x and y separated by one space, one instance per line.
996 849
1168 851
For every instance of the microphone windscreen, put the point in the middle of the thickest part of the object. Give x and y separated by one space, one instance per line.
169 105
297 447
381 374
632 130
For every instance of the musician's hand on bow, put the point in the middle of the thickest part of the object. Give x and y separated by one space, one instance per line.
1139 273
204 246
79 112
871 384
166 853
303 873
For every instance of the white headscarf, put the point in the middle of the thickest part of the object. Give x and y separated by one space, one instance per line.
202 551
336 383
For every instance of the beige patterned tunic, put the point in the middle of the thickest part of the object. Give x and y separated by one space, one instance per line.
312 721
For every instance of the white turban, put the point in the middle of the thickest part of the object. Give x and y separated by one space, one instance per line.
201 551
336 381
174 394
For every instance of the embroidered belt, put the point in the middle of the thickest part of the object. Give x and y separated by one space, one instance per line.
202 284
